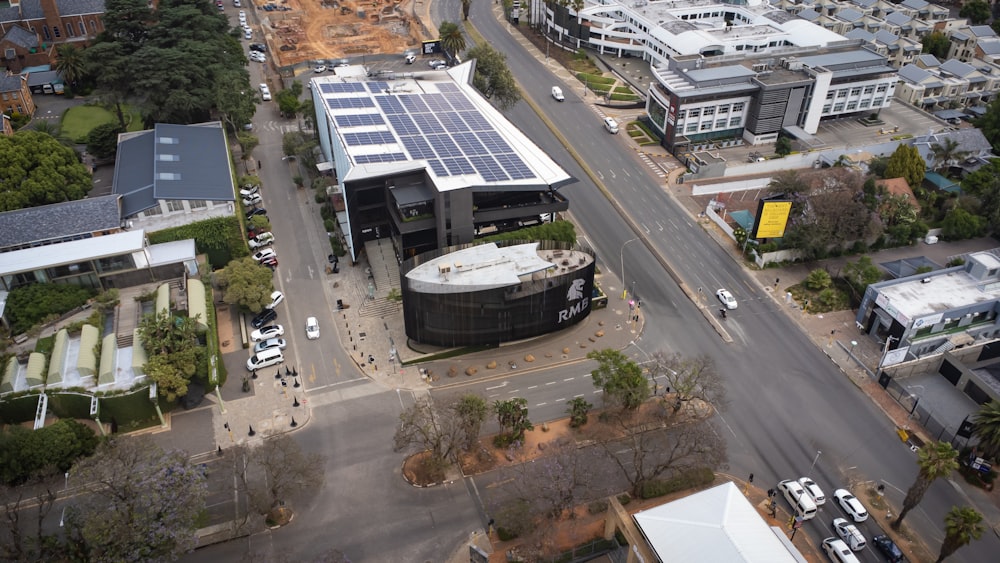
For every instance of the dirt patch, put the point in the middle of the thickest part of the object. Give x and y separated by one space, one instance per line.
302 31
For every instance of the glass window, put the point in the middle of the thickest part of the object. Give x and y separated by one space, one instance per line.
709 111
738 106
826 108
724 108
93 26
694 113
45 32
877 102
841 93
720 123
882 88
865 104
681 114
734 122
706 126
83 29
869 89
115 263
829 95
197 203
692 127
852 106
855 91
55 30
838 107
152 211
175 204
69 30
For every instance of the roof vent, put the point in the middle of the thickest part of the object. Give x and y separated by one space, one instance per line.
925 280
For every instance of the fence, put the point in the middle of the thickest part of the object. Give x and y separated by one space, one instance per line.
590 550
923 416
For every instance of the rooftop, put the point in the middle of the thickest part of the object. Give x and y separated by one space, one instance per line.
36 225
946 290
31 259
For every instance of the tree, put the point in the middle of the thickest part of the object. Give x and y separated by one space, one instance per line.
288 102
493 78
248 142
70 62
937 44
906 162
783 146
620 378
512 417
578 407
102 141
174 351
18 541
959 224
245 282
987 428
27 454
859 275
277 470
689 378
451 37
961 526
934 460
435 430
143 503
233 99
471 411
947 153
984 185
38 170
818 280
978 11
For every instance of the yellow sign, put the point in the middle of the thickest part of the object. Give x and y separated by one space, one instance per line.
772 216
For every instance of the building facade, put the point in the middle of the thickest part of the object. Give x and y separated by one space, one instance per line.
15 96
488 294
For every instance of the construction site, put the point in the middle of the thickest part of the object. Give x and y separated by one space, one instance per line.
298 31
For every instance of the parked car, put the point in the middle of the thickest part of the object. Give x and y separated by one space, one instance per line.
435 62
267 332
557 94
249 190
441 66
889 549
727 299
276 298
260 47
319 68
257 56
849 533
255 212
851 505
838 552
237 3
409 58
262 254
252 199
264 317
261 240
278 343
312 328
247 33
813 489
270 262
265 93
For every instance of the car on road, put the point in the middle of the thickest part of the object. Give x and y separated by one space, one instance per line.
257 56
270 262
889 549
441 66
267 332
276 298
312 328
247 33
838 552
813 489
319 68
255 212
727 299
249 190
611 125
557 94
409 58
851 505
261 240
252 199
259 47
278 343
242 15
237 3
264 317
265 93
263 254
849 533
435 62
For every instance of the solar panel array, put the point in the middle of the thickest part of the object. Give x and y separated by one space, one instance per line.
443 128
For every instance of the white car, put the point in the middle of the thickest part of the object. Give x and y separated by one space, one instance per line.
409 58
838 552
319 68
236 3
435 62
267 332
253 199
261 240
249 190
264 254
276 298
813 490
611 125
312 328
243 16
265 93
257 56
726 298
278 343
247 33
557 94
850 534
851 505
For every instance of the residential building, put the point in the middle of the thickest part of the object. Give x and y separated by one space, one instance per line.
46 225
173 175
972 150
428 162
15 96
965 41
55 21
21 49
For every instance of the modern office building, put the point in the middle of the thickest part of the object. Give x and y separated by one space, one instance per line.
425 160
487 294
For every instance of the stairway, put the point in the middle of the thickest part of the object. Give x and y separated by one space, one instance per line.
383 270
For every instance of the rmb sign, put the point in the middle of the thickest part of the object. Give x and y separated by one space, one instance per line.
772 217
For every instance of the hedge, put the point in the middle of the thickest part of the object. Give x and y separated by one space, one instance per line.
220 238
688 479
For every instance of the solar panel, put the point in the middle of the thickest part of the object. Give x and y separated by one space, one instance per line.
390 105
476 122
493 142
436 103
418 148
427 123
452 122
457 166
459 101
437 167
387 157
341 87
347 103
377 86
369 138
469 143
513 165
448 87
403 125
413 103
358 120
488 168
443 145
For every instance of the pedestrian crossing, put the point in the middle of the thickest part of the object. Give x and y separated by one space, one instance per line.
282 127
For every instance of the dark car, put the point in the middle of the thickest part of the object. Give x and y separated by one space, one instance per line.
254 212
264 317
889 549
258 47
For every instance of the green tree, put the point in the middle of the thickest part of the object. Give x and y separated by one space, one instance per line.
961 526
984 185
947 153
452 38
620 378
937 44
493 78
859 275
143 505
905 162
174 350
934 460
288 103
108 64
987 428
54 448
471 411
234 99
29 304
877 166
512 418
818 280
70 62
248 142
959 224
246 283
578 407
783 146
38 170
102 141
989 124
978 11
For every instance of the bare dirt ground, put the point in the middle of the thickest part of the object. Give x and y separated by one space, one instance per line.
332 29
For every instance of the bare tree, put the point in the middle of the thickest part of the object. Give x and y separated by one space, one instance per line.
284 471
16 542
689 378
431 428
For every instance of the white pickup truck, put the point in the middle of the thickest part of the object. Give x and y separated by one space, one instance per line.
850 534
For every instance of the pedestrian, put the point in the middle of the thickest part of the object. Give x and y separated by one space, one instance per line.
258 165
777 281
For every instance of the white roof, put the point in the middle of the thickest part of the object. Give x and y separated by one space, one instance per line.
715 525
484 266
944 292
171 252
31 259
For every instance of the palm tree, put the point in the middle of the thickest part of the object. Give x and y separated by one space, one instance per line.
987 428
452 38
934 460
70 62
946 153
961 526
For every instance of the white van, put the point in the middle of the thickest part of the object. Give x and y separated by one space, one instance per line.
264 359
557 94
796 496
611 125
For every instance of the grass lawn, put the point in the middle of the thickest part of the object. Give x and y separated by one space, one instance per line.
78 121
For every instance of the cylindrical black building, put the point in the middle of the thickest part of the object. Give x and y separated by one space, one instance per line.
486 294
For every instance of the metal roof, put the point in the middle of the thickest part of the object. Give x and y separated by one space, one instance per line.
31 259
58 221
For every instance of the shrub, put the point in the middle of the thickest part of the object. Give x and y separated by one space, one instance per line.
597 507
688 479
624 498
30 304
504 534
220 238
818 280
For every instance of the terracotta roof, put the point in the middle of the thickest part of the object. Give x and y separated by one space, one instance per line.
899 186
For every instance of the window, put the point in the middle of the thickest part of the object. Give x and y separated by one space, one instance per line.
69 30
734 122
865 104
724 108
841 93
720 123
692 127
855 91
694 113
882 88
829 95
4 96
869 89
93 26
851 106
709 111
681 113
197 203
153 211
83 29
738 106
706 126
55 30
826 108
838 107
877 102
45 32
175 204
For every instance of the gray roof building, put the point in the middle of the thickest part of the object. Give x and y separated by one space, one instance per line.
21 37
59 222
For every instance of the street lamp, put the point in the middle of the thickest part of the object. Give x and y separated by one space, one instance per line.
814 461
622 257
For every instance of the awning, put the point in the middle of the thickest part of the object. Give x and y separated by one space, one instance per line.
324 166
